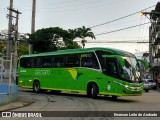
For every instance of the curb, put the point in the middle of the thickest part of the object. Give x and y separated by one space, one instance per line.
8 93
21 102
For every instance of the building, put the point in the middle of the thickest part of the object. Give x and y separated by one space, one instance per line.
154 44
143 56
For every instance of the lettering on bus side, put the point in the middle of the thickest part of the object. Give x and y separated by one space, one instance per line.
22 70
56 72
42 72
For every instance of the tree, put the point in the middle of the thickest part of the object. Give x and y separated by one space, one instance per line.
3 45
48 39
51 39
70 44
23 48
83 33
72 34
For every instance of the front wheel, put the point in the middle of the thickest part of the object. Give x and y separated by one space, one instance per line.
94 91
36 86
114 97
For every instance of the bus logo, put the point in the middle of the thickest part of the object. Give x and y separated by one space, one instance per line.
42 72
73 72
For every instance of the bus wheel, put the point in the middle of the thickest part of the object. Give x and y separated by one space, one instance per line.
114 97
94 91
36 86
89 91
55 91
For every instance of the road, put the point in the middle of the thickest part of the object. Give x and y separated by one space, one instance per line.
79 102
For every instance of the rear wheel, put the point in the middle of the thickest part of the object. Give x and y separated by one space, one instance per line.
36 86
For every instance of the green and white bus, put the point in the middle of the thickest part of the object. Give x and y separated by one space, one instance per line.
94 71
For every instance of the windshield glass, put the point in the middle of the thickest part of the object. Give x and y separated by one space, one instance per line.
130 70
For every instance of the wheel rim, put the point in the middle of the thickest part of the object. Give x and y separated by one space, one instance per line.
92 91
36 86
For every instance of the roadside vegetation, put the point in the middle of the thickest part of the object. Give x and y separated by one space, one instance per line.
50 39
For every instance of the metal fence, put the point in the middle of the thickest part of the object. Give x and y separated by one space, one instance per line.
8 74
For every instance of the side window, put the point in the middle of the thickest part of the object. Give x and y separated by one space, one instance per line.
72 60
102 60
28 62
34 62
58 61
89 60
111 67
23 62
46 62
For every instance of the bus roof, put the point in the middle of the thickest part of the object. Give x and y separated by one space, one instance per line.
72 51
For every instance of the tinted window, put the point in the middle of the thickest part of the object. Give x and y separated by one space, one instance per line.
23 62
46 62
89 60
72 60
102 60
111 67
29 62
58 61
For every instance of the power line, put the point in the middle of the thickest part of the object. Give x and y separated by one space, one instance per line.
121 17
89 7
71 5
121 29
116 41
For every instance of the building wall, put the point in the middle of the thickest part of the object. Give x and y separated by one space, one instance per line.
154 46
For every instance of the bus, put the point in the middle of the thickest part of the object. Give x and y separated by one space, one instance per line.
94 71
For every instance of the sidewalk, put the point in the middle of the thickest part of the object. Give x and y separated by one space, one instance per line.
22 101
10 99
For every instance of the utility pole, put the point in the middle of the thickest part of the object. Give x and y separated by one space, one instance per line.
33 24
14 27
9 43
15 34
15 43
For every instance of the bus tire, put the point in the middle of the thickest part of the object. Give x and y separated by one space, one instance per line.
89 91
147 90
36 86
114 97
55 91
94 91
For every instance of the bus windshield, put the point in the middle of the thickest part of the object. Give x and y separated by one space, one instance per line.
130 70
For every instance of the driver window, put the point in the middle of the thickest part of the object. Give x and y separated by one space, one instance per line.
89 60
111 67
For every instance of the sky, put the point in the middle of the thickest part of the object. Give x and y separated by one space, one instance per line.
71 14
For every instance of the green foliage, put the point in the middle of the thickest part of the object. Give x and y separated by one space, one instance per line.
51 39
23 48
84 33
3 46
54 38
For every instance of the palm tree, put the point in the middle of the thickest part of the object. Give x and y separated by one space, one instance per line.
83 33
72 33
